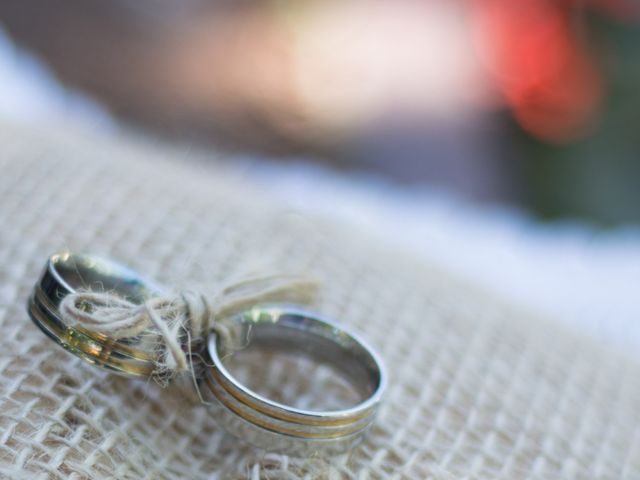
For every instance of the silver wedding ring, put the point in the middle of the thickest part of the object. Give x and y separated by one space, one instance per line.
267 423
239 409
65 273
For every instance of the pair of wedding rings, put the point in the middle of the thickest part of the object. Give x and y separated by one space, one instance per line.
241 411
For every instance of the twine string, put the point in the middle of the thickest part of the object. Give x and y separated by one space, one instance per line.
168 326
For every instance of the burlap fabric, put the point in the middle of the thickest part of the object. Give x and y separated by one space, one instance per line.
478 389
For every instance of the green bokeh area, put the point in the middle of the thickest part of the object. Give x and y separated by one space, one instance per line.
597 178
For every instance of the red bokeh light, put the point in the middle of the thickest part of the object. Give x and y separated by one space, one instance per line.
540 65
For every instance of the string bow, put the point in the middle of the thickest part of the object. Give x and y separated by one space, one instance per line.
169 326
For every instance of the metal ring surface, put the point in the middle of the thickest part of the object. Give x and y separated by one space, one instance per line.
274 426
65 273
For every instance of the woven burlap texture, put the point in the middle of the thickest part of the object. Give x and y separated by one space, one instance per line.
477 389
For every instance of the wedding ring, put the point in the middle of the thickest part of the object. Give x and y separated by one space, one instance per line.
240 410
65 273
276 426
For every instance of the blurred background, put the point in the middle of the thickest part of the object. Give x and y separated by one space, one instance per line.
530 102
500 138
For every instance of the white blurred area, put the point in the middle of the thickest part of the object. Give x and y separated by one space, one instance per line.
587 279
30 94
353 64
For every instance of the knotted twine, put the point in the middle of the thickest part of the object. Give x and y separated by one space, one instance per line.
172 328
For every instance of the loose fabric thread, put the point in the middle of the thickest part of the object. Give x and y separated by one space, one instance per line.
169 325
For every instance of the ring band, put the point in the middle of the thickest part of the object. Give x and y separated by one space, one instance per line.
270 424
241 411
65 273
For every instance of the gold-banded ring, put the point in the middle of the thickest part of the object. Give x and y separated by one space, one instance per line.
65 273
276 426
